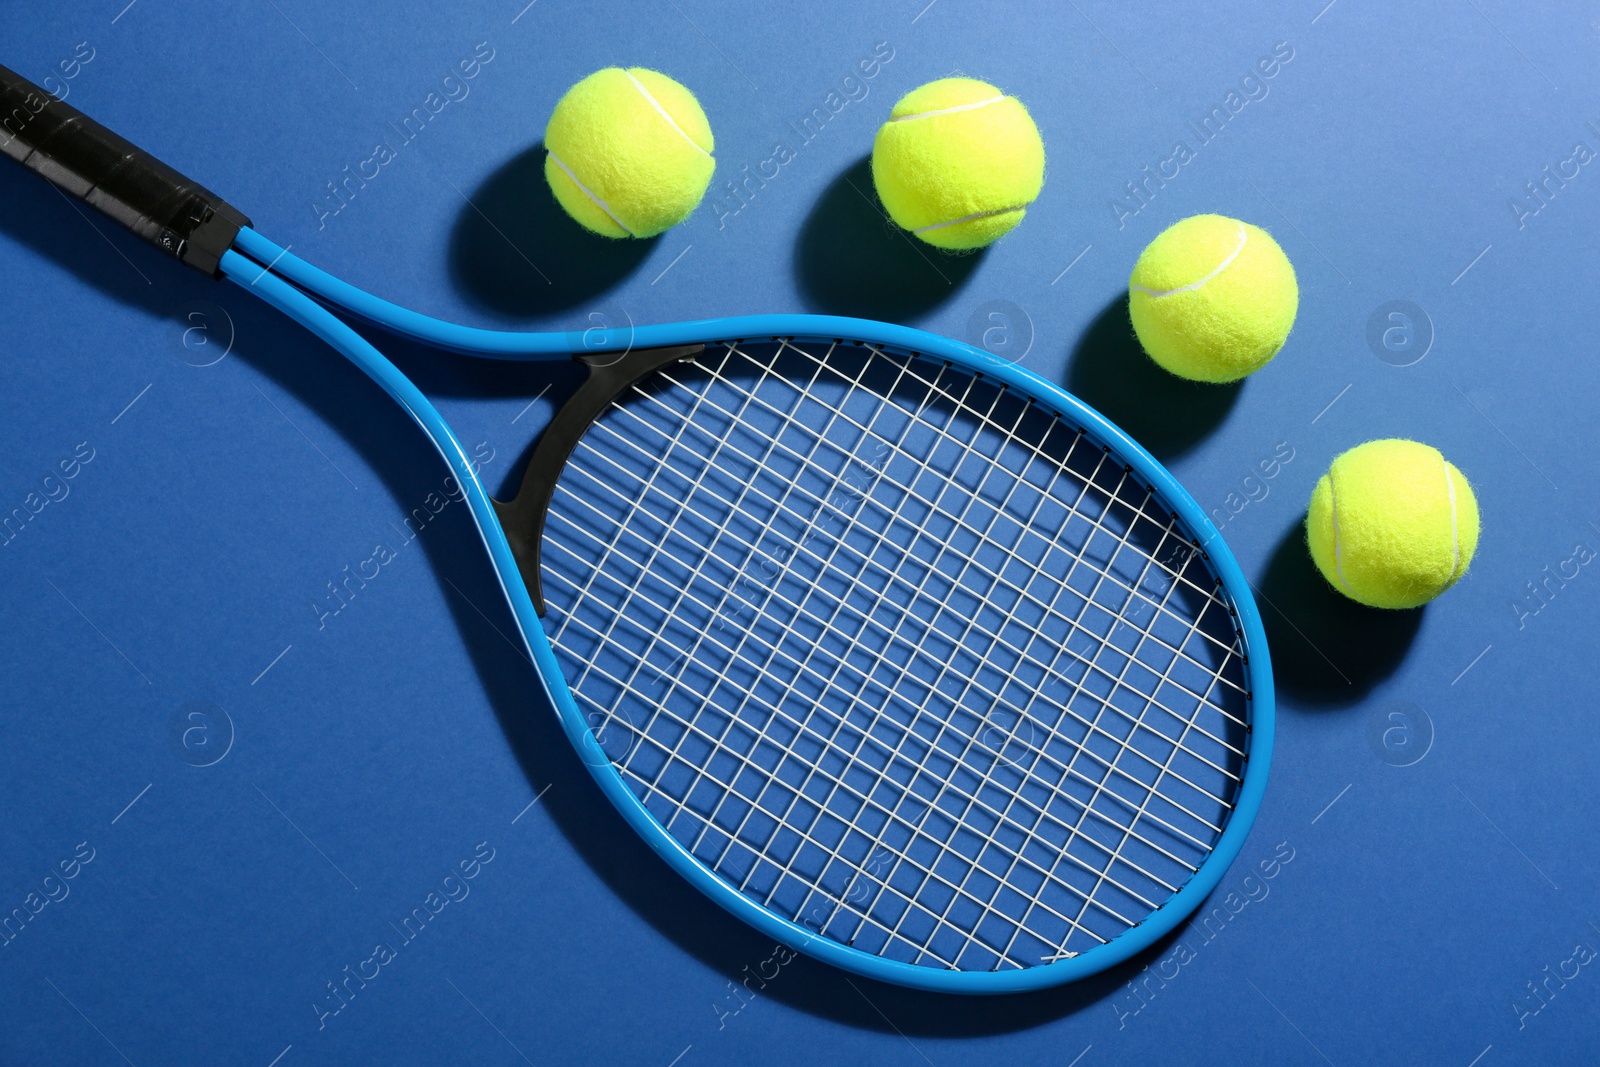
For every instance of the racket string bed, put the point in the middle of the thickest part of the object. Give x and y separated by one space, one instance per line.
823 749
836 783
735 833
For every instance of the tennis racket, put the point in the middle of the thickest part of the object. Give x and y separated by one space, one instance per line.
898 652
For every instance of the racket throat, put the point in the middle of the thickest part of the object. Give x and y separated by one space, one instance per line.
610 373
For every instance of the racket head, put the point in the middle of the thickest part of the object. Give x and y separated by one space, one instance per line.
871 864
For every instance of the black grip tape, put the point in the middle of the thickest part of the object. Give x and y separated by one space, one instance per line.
121 181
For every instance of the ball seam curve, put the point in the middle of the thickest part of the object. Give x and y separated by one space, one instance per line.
637 84
586 191
947 110
1157 294
1338 549
975 216
1455 527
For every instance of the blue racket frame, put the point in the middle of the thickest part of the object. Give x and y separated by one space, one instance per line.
261 266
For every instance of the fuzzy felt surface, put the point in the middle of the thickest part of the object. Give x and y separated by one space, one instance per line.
1392 524
958 163
629 152
1212 298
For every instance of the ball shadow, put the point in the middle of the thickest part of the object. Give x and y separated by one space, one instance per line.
1327 649
853 260
516 252
1166 414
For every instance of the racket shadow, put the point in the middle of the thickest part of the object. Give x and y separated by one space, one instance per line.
655 893
406 467
686 917
661 897
514 252
1161 411
1327 650
35 215
852 260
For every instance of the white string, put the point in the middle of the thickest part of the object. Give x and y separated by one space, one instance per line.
1167 887
811 689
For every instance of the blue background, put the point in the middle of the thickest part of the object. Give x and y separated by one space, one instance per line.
1433 777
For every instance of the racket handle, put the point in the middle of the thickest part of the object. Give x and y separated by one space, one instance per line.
88 162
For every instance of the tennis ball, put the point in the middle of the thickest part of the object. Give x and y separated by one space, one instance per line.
629 152
1212 298
958 163
1392 524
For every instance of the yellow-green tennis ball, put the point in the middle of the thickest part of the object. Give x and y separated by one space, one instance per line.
1213 298
1392 524
958 163
629 152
